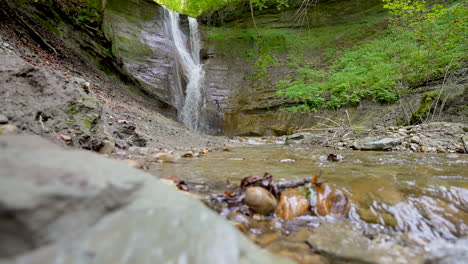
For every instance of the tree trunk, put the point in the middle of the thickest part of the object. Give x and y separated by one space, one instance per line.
253 17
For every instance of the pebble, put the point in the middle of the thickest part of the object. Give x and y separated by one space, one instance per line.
107 148
8 129
287 160
166 157
139 150
133 163
236 159
260 200
424 149
3 119
440 150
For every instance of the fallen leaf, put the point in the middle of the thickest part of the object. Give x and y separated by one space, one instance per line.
188 155
182 186
64 137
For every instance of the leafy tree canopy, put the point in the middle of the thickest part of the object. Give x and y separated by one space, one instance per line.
195 8
192 8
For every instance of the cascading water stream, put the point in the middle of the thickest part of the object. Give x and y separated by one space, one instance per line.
188 57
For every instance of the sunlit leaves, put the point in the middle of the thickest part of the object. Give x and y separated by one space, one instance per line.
193 8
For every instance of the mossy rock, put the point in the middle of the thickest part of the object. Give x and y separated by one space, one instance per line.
84 114
425 107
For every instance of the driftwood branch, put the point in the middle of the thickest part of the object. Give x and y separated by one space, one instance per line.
294 183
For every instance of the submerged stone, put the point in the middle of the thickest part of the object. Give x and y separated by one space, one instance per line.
292 204
330 201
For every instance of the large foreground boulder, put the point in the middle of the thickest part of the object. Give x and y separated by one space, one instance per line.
65 207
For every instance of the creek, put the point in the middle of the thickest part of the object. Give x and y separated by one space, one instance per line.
405 207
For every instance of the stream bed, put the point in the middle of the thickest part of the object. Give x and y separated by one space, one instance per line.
405 207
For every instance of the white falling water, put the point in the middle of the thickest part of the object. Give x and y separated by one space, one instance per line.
189 60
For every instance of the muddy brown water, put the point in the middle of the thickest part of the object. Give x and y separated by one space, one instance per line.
416 203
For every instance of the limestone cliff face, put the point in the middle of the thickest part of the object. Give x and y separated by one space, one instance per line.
137 31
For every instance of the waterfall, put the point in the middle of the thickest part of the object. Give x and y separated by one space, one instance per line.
188 57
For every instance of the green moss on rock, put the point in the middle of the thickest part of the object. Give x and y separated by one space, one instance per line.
84 114
425 106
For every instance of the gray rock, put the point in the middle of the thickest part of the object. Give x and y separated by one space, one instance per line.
372 143
402 134
51 194
3 119
303 138
465 143
8 129
415 139
139 150
295 138
89 209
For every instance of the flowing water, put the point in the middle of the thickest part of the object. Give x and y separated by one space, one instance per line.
406 207
188 58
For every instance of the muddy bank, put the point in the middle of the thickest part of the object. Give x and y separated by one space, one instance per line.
85 109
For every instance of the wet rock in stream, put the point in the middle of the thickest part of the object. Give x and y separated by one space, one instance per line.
292 204
166 157
330 200
260 200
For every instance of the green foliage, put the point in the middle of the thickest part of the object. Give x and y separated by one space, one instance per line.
195 8
421 43
301 46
